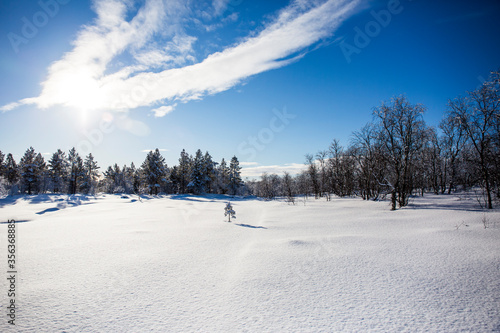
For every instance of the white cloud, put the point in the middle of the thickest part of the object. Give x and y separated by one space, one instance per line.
219 6
87 77
163 110
257 171
243 164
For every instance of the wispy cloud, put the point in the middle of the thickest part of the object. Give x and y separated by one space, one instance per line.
164 71
245 164
256 171
219 6
163 110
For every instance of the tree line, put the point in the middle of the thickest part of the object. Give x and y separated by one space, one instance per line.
398 155
70 173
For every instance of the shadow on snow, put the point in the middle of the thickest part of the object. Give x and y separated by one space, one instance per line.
250 226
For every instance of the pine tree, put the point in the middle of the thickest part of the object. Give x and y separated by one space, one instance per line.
41 174
127 178
198 181
234 175
119 186
89 181
175 179
109 180
154 170
135 178
76 170
29 170
228 211
222 177
11 169
58 171
184 171
2 166
209 172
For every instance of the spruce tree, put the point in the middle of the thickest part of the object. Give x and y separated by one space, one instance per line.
11 169
58 171
90 175
198 180
228 211
41 174
175 179
222 177
109 179
234 175
184 171
119 186
154 170
209 172
29 171
135 175
76 170
2 166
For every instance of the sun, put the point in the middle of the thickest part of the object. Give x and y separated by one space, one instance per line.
75 88
85 93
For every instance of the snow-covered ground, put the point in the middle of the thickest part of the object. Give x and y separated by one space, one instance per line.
172 264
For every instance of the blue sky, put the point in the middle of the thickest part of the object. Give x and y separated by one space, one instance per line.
267 81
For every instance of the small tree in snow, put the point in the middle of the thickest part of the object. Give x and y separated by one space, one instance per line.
228 211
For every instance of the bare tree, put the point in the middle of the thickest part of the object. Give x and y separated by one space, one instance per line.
401 134
312 171
452 142
335 152
369 162
289 188
324 189
478 115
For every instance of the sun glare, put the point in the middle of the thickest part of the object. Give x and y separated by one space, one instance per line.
78 89
86 94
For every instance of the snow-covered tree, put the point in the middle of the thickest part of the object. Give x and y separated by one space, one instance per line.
29 170
114 179
222 177
76 171
109 183
58 171
228 211
41 174
234 175
198 177
33 171
155 171
136 179
209 172
175 179
90 175
2 166
184 171
11 169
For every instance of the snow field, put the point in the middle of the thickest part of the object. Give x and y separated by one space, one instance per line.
172 264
